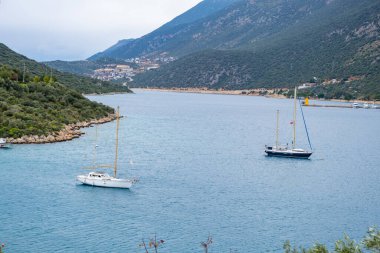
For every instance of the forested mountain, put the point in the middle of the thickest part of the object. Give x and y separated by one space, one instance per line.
277 43
33 68
166 37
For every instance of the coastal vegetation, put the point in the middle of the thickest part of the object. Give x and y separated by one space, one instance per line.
41 105
27 69
370 243
345 91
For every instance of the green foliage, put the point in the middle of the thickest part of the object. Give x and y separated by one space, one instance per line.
41 108
36 79
372 240
317 248
86 68
80 83
75 67
347 245
46 79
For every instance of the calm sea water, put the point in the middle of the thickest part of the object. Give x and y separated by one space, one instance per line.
202 171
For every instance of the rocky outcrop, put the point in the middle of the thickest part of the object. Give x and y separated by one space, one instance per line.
69 132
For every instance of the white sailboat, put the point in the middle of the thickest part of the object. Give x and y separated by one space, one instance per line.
102 179
285 151
3 143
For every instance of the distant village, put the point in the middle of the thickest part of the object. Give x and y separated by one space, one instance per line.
313 83
132 67
316 82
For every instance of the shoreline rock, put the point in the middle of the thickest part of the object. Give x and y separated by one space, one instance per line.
68 133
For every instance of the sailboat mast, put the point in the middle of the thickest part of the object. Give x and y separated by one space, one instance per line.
117 141
278 112
96 145
294 117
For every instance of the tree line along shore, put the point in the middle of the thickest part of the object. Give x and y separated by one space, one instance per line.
69 132
42 110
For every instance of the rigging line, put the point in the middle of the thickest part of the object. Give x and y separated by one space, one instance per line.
304 122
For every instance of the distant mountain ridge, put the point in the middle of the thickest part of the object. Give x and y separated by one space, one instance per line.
152 42
217 24
113 51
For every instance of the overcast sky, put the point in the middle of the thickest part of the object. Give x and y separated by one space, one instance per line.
76 29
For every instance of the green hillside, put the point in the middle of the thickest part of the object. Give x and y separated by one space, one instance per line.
167 38
75 67
217 24
324 39
41 107
85 67
33 68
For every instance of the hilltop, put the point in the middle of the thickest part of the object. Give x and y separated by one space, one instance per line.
166 38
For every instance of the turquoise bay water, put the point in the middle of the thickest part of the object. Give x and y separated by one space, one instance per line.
202 171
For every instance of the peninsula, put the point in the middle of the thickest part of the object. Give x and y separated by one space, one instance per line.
38 107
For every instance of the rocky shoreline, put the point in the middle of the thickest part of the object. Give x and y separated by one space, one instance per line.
68 133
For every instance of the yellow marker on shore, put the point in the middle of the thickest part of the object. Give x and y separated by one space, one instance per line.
306 101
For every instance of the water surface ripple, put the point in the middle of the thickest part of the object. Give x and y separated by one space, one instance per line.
202 171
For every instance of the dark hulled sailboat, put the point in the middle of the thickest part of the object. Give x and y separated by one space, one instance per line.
285 151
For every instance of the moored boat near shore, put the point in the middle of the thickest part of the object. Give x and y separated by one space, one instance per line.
4 144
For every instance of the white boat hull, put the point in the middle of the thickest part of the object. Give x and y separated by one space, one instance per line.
5 146
105 182
3 143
